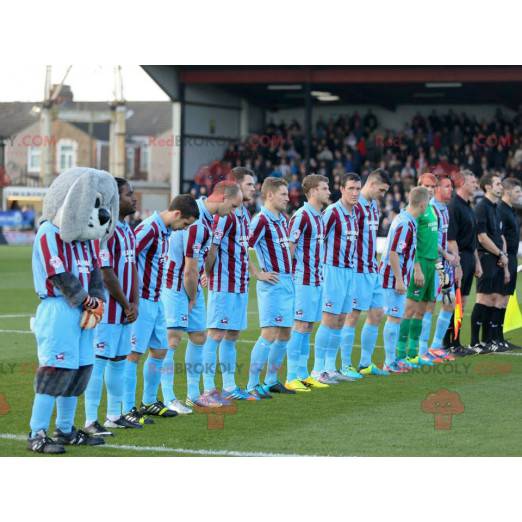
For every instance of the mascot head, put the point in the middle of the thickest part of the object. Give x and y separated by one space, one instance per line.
83 203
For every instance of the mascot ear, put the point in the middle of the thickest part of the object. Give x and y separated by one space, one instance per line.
73 215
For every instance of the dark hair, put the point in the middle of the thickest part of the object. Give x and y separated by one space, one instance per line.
272 184
379 175
511 183
487 179
349 176
121 183
312 181
239 173
186 204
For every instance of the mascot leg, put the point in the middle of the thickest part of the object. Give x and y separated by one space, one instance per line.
49 383
67 402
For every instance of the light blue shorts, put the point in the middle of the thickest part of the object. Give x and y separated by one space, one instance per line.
394 303
337 290
227 310
308 303
150 329
177 313
60 340
367 291
276 302
113 340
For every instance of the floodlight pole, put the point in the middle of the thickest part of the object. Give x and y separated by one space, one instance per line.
308 125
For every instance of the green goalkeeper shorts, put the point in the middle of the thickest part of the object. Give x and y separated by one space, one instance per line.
424 293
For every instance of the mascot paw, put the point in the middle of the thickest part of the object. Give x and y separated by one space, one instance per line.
92 312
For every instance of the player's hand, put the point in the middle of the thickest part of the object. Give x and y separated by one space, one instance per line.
191 304
269 277
478 270
400 287
458 275
203 280
502 261
131 313
418 277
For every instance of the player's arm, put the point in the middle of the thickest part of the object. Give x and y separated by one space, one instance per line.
296 229
257 232
485 241
395 264
191 271
397 245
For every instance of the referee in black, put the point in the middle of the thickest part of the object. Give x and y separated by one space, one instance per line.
495 274
511 230
462 236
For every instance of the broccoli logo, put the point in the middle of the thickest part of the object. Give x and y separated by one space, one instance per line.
216 416
443 404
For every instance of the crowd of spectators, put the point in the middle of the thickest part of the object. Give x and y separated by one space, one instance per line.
357 143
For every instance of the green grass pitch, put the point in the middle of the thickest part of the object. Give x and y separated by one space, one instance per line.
373 417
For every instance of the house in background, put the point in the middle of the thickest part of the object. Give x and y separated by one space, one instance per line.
148 146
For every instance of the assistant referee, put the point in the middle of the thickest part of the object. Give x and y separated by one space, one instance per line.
486 313
462 235
511 230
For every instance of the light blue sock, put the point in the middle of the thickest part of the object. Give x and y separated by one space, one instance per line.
167 377
390 335
65 411
114 375
151 379
322 340
347 337
43 406
330 362
193 358
227 362
425 333
443 322
93 392
209 363
293 355
258 359
303 372
275 360
130 379
369 335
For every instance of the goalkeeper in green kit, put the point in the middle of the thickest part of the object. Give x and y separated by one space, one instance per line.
421 290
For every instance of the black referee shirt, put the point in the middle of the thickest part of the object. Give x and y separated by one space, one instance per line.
510 227
462 226
489 222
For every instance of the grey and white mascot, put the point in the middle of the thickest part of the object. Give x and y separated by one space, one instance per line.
80 211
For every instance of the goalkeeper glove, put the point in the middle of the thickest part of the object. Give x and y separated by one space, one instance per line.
92 312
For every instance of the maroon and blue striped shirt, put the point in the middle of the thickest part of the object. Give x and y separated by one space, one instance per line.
307 232
340 235
365 257
269 238
120 255
230 270
152 238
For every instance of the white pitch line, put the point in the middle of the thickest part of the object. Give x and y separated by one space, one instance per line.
17 331
185 451
12 316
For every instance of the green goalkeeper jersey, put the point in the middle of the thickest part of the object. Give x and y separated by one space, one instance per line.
427 235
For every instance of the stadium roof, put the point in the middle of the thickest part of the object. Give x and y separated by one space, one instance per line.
276 87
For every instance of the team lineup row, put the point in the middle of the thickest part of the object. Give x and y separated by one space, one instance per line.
321 265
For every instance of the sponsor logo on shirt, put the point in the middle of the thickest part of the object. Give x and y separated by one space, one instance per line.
56 262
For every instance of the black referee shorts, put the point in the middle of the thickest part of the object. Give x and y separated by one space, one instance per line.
492 280
467 262
512 267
